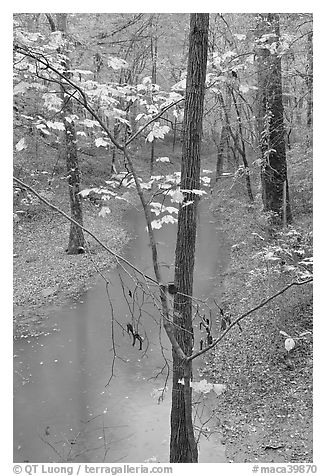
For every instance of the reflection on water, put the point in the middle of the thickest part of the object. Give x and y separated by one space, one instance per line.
63 410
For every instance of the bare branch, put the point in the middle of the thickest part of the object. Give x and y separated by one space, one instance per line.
116 256
236 321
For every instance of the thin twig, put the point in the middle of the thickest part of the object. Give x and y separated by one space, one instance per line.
49 204
236 321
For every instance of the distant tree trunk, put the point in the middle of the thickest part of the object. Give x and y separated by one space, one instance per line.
221 151
309 80
154 80
243 148
116 131
270 119
183 447
223 145
76 237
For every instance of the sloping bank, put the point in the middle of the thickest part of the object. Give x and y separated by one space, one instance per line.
45 277
265 415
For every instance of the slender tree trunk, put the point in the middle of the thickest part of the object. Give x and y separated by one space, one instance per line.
243 149
270 119
309 79
154 80
183 447
174 134
221 151
76 237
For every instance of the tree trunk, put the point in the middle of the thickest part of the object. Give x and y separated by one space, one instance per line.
183 447
76 237
270 119
154 80
221 151
243 149
309 80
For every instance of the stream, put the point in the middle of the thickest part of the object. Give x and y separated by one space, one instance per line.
63 410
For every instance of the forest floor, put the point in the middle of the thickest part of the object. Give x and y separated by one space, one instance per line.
45 277
265 415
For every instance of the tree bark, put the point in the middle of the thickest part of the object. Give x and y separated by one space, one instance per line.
309 80
221 151
154 41
270 119
183 447
76 237
243 149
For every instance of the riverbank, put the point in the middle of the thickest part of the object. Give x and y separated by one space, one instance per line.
45 277
266 415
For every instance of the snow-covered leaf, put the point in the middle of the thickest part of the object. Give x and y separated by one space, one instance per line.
147 80
240 37
219 388
305 274
305 333
288 268
89 123
156 224
202 386
171 210
43 128
244 88
195 191
52 101
104 211
21 145
289 344
139 116
146 185
250 59
158 208
169 219
176 196
163 159
56 125
269 256
186 204
56 40
84 193
150 137
284 334
100 142
307 261
158 132
152 109
21 87
117 63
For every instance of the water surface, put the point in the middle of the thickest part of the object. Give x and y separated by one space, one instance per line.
63 410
